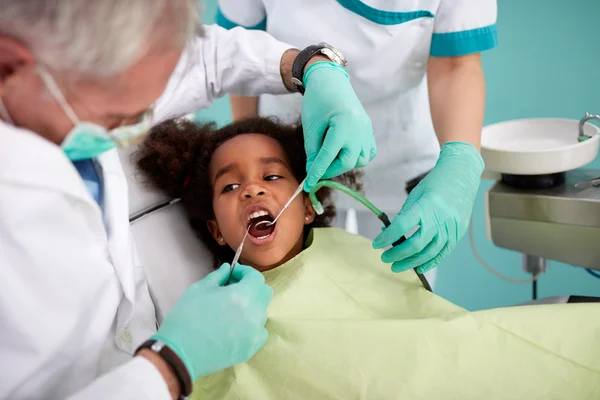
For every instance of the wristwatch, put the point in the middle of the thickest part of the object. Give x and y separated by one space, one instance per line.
181 372
304 57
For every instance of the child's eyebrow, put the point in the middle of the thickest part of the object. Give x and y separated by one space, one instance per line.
224 170
274 160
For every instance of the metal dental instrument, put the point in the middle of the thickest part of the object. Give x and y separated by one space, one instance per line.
238 253
239 250
296 193
380 214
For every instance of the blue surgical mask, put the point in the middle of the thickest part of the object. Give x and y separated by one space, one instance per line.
88 140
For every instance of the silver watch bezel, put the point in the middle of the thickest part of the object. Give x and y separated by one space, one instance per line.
333 54
297 82
330 52
157 346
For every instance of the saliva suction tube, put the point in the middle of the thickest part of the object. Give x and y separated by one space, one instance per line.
360 198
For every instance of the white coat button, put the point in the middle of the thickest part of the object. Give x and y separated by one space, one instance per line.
419 64
426 22
126 336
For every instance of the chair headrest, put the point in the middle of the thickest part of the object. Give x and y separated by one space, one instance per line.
171 255
141 196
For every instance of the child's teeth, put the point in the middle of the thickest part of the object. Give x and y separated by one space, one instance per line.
257 214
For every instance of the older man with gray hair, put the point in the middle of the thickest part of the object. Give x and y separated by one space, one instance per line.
79 78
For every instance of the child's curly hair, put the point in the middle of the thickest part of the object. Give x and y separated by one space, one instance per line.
176 158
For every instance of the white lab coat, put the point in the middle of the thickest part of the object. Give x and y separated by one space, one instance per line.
387 44
74 302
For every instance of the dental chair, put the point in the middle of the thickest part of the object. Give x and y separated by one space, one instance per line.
172 257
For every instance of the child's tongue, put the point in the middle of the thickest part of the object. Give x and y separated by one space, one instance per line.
258 227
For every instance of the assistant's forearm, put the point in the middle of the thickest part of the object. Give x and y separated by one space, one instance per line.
287 62
243 107
457 98
237 61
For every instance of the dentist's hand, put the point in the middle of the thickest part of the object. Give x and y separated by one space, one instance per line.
441 204
338 135
213 327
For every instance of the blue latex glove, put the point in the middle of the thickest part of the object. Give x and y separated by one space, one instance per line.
441 204
338 135
212 326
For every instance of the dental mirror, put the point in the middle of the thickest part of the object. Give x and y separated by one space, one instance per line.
264 225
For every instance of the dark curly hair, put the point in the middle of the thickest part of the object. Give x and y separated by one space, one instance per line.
176 158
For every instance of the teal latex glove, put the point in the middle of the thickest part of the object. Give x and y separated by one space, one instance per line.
331 106
212 326
441 204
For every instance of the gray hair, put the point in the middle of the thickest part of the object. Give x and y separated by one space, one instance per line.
98 38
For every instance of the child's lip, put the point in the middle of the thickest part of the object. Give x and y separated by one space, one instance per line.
261 242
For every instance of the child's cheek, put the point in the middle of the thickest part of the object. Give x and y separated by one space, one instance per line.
227 219
294 221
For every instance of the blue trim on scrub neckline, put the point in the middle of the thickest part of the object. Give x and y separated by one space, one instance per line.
461 43
380 16
226 23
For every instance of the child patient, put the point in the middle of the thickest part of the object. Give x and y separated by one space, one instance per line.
341 324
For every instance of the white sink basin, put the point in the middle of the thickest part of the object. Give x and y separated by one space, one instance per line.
537 146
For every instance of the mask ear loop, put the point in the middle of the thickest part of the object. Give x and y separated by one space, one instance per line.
57 94
4 113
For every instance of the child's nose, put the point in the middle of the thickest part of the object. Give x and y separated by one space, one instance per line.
254 190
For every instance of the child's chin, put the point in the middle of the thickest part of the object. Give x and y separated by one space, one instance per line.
263 264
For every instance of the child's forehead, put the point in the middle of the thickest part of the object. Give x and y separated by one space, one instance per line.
246 148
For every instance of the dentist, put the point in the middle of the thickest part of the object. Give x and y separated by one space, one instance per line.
77 79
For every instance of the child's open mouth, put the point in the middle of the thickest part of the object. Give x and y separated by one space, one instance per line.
261 229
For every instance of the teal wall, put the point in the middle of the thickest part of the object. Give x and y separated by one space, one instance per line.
547 65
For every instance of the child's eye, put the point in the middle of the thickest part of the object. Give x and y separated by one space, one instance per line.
229 188
272 177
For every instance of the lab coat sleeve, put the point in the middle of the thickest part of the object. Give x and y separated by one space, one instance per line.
236 61
249 14
464 27
58 300
138 379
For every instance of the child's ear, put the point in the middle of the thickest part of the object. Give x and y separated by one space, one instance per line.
213 227
309 211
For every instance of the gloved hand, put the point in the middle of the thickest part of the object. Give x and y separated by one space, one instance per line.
441 204
338 135
212 326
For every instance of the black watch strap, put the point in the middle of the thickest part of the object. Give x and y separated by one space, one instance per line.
181 372
300 63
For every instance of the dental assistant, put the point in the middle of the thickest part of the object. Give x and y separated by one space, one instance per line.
416 68
77 79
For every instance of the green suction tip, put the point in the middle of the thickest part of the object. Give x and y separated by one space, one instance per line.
338 186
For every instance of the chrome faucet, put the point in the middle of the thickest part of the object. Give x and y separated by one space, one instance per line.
582 136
